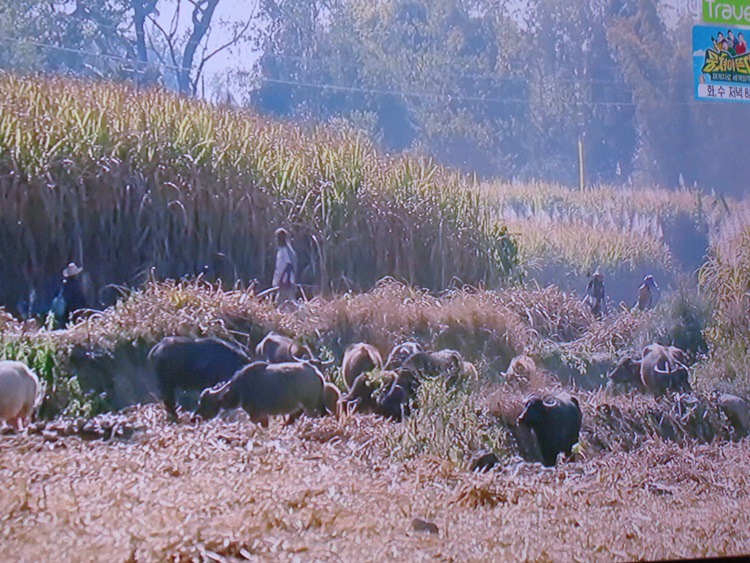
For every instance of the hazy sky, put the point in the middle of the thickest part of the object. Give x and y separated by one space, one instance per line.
243 56
227 11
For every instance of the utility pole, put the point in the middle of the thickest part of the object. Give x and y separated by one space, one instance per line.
581 170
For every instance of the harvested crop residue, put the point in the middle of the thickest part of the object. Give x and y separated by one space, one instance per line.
327 489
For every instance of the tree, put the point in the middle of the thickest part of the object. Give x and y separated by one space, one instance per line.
418 74
189 48
680 140
84 38
118 38
577 91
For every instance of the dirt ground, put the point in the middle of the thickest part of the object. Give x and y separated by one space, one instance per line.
324 490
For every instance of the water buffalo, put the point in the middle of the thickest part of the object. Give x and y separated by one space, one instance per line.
520 370
264 390
399 391
394 404
663 369
19 393
556 422
360 397
626 375
384 396
358 359
400 354
737 411
447 362
184 363
276 348
332 398
435 363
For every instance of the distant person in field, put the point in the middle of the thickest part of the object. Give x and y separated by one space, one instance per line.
76 292
285 273
741 47
595 297
646 293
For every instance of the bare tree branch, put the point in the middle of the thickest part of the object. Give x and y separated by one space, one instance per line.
190 52
237 35
170 41
203 11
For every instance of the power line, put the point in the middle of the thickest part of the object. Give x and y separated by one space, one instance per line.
488 76
119 58
342 88
450 97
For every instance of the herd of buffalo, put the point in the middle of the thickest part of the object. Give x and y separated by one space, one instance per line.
286 378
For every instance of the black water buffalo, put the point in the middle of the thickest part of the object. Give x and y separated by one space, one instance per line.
435 363
430 363
332 397
359 398
391 396
193 363
736 410
358 359
663 369
400 395
446 363
394 404
264 390
556 422
626 375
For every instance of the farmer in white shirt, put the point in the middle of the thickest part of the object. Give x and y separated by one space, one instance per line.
285 273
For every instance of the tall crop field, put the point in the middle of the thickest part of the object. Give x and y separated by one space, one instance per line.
565 234
124 180
725 279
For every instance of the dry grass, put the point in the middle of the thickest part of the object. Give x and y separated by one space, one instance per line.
725 279
321 490
586 246
604 226
601 200
480 322
652 478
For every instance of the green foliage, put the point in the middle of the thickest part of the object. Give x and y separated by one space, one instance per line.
62 392
448 424
685 316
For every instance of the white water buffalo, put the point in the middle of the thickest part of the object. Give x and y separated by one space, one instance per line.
19 393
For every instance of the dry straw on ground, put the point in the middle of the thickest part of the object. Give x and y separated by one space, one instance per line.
325 490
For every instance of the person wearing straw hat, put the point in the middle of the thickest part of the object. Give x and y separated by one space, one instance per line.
75 293
645 293
285 272
595 297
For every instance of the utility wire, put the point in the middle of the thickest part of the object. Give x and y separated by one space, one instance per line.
343 88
